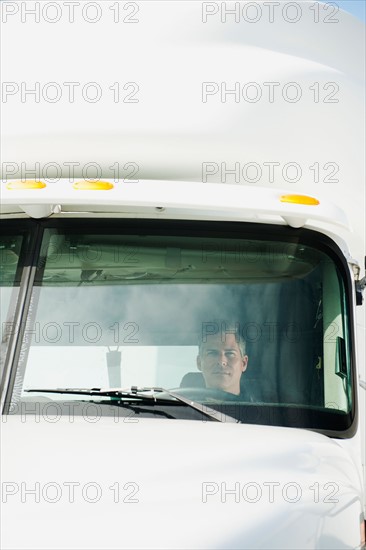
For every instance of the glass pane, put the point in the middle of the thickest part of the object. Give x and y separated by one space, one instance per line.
10 251
218 319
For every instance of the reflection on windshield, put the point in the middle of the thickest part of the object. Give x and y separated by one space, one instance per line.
10 247
263 322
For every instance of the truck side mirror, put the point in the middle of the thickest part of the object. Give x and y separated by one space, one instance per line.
360 287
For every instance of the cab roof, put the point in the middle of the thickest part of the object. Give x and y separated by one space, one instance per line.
167 199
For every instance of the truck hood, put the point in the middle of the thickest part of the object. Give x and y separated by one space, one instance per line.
72 483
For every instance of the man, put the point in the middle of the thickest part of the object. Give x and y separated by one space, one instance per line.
222 361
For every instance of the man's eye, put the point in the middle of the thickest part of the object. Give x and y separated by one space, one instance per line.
231 354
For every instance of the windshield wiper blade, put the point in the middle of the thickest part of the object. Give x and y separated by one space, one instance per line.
140 395
135 392
204 409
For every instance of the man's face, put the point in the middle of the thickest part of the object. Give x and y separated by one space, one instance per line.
221 363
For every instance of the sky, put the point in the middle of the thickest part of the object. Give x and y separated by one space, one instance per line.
356 7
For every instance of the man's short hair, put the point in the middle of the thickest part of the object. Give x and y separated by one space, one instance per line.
223 328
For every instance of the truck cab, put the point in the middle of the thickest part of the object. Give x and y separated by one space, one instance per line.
129 313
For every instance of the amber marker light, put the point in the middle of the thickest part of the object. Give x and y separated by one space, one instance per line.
299 199
26 184
93 185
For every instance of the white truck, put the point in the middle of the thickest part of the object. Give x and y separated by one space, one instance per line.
120 427
111 435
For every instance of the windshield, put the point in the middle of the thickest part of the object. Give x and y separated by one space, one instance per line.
252 320
11 245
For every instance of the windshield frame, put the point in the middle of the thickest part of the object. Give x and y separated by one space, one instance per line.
29 230
190 228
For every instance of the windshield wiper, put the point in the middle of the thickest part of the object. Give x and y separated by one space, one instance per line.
139 394
110 392
204 409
